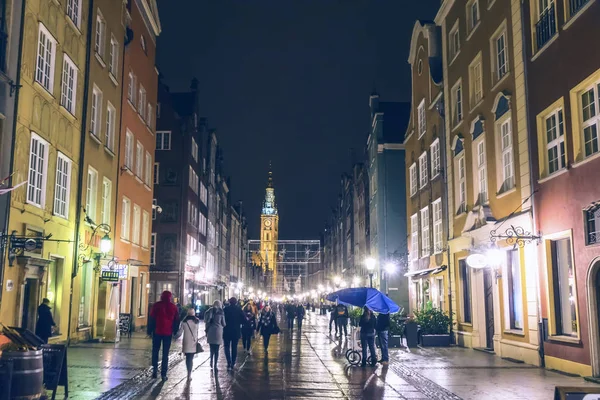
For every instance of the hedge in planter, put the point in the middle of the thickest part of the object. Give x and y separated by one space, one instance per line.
396 330
434 327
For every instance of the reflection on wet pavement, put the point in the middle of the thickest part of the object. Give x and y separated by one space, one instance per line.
311 364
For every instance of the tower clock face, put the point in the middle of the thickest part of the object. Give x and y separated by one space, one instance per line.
268 222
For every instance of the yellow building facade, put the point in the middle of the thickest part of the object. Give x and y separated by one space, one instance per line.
269 235
494 287
47 159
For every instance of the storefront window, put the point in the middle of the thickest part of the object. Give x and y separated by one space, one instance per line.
142 293
85 303
440 293
54 291
465 282
564 288
417 286
426 293
515 297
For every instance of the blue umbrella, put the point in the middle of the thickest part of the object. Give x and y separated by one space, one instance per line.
360 297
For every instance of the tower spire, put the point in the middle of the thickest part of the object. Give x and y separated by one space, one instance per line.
270 181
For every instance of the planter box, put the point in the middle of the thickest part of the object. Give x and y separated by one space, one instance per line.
395 341
435 340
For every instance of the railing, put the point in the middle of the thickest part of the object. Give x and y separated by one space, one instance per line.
545 28
576 5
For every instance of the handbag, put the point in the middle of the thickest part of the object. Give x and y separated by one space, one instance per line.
199 348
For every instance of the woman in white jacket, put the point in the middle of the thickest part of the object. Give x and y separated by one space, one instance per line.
190 338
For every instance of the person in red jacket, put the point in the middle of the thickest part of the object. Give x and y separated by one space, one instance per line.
163 316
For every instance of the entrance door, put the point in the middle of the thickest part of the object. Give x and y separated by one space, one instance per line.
488 288
30 304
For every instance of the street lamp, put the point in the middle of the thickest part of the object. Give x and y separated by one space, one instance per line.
343 284
194 260
105 244
356 281
370 263
336 280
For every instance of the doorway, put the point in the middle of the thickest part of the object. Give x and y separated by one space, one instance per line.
488 290
30 304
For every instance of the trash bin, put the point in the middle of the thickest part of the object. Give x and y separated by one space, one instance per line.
27 375
411 334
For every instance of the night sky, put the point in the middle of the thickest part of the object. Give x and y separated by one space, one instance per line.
289 81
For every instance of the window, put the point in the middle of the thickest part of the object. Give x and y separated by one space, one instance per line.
113 62
156 172
423 174
148 169
414 234
575 6
141 101
139 160
437 226
74 11
515 296
462 186
154 207
508 169
425 250
63 186
106 200
435 158
86 300
91 194
38 166
457 106
145 229
500 64
563 281
454 41
153 249
203 193
96 112
592 218
473 14
194 150
69 85
413 179
555 141
99 44
131 88
129 150
440 293
475 81
422 121
44 72
143 43
481 173
142 291
202 224
111 117
136 224
149 115
590 110
163 140
125 218
465 283
545 28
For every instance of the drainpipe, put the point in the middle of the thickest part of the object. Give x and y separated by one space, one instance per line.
532 196
86 89
13 140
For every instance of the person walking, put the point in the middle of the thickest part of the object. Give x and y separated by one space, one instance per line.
214 323
300 313
190 337
291 314
333 320
383 327
163 316
45 322
367 336
267 326
234 318
342 319
248 328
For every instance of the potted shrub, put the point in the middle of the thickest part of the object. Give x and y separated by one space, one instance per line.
354 314
410 331
434 327
396 329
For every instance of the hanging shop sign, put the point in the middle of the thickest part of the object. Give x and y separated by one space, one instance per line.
118 270
477 261
110 276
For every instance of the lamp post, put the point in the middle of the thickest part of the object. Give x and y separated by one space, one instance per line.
194 261
390 269
370 263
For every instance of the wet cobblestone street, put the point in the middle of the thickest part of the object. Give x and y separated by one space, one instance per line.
310 364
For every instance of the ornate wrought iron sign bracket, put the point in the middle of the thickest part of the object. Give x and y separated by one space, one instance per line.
516 236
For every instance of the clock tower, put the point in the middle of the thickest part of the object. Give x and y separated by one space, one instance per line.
269 233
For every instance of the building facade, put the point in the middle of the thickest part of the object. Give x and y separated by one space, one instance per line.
361 238
564 100
46 160
495 298
138 141
387 196
427 200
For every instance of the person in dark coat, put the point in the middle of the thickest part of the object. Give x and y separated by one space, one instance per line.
248 328
300 312
333 320
367 336
45 322
291 314
163 315
234 318
342 319
267 326
383 327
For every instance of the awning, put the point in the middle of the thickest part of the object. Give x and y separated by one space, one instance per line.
424 272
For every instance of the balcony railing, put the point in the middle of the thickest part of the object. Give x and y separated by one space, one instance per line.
545 28
576 5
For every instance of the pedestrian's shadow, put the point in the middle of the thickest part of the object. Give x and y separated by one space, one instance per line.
157 389
218 390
